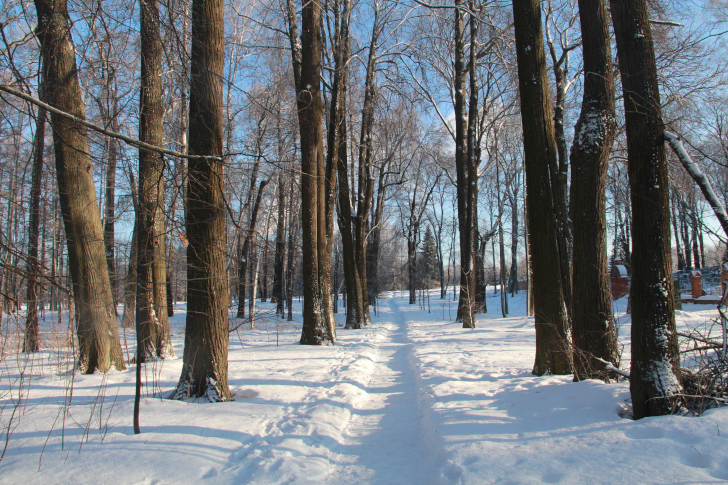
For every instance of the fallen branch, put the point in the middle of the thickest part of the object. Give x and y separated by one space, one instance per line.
699 178
610 367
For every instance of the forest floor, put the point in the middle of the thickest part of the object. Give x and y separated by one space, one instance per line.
411 399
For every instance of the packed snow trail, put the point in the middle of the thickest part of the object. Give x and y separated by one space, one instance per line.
389 432
365 424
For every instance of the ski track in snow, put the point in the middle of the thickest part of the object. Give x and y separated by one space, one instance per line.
412 399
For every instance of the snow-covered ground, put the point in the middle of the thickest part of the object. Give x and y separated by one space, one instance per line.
412 399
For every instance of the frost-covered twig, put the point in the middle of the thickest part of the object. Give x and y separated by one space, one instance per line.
699 177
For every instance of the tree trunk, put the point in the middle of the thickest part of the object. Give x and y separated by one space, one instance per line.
205 361
293 222
678 247
464 133
372 252
481 287
552 324
110 194
307 63
32 327
559 180
655 376
412 270
151 313
278 283
594 334
244 250
130 287
98 335
502 253
514 242
356 308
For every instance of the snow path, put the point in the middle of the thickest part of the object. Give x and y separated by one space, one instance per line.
366 423
389 431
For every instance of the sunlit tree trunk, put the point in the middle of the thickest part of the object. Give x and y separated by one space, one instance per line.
594 333
32 327
307 75
98 335
205 360
153 331
552 324
655 381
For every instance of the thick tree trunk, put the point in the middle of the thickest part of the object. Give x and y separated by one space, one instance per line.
98 335
365 186
464 133
553 355
338 147
205 361
32 327
594 333
307 72
655 376
151 313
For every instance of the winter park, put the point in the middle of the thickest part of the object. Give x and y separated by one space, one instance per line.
372 241
412 398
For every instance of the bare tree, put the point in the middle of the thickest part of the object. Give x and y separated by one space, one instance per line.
32 326
153 333
205 360
98 335
594 333
317 320
655 376
553 355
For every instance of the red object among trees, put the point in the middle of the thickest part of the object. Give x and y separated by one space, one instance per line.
619 279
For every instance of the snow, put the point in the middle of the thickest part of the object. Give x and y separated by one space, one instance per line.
412 399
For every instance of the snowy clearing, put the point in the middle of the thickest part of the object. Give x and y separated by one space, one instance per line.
412 399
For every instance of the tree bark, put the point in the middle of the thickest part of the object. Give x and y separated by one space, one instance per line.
98 335
466 182
205 360
130 290
110 192
307 71
594 332
655 376
280 252
514 240
151 313
552 323
31 342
